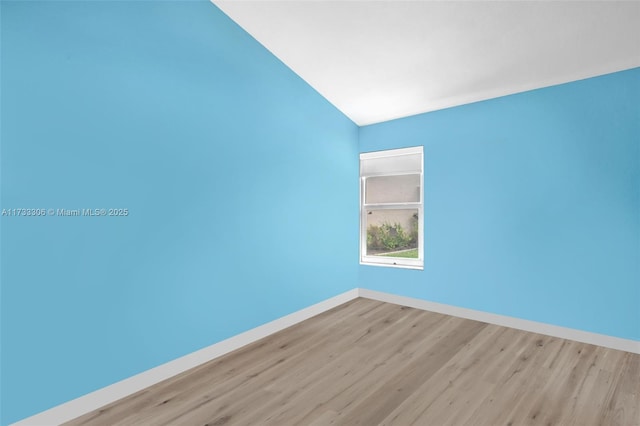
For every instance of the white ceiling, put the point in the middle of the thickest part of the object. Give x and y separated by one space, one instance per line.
380 60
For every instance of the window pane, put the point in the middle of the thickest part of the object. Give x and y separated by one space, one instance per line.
391 164
392 233
392 189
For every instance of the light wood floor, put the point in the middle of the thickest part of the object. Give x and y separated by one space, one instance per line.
370 363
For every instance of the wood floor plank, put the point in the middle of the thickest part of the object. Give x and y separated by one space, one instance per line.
620 409
357 375
267 362
304 373
369 363
521 381
492 341
395 388
234 367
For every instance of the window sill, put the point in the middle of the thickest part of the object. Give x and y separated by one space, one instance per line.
396 264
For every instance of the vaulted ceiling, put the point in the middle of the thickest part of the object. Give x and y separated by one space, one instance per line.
380 60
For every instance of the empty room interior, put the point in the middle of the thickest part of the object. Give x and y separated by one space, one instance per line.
320 213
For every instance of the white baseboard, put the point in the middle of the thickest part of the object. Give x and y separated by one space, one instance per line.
94 400
521 324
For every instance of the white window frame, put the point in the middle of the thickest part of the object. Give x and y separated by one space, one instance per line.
394 262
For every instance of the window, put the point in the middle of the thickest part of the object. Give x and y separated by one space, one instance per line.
391 207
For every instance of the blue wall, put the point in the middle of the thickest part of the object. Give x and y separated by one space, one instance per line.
240 180
532 205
